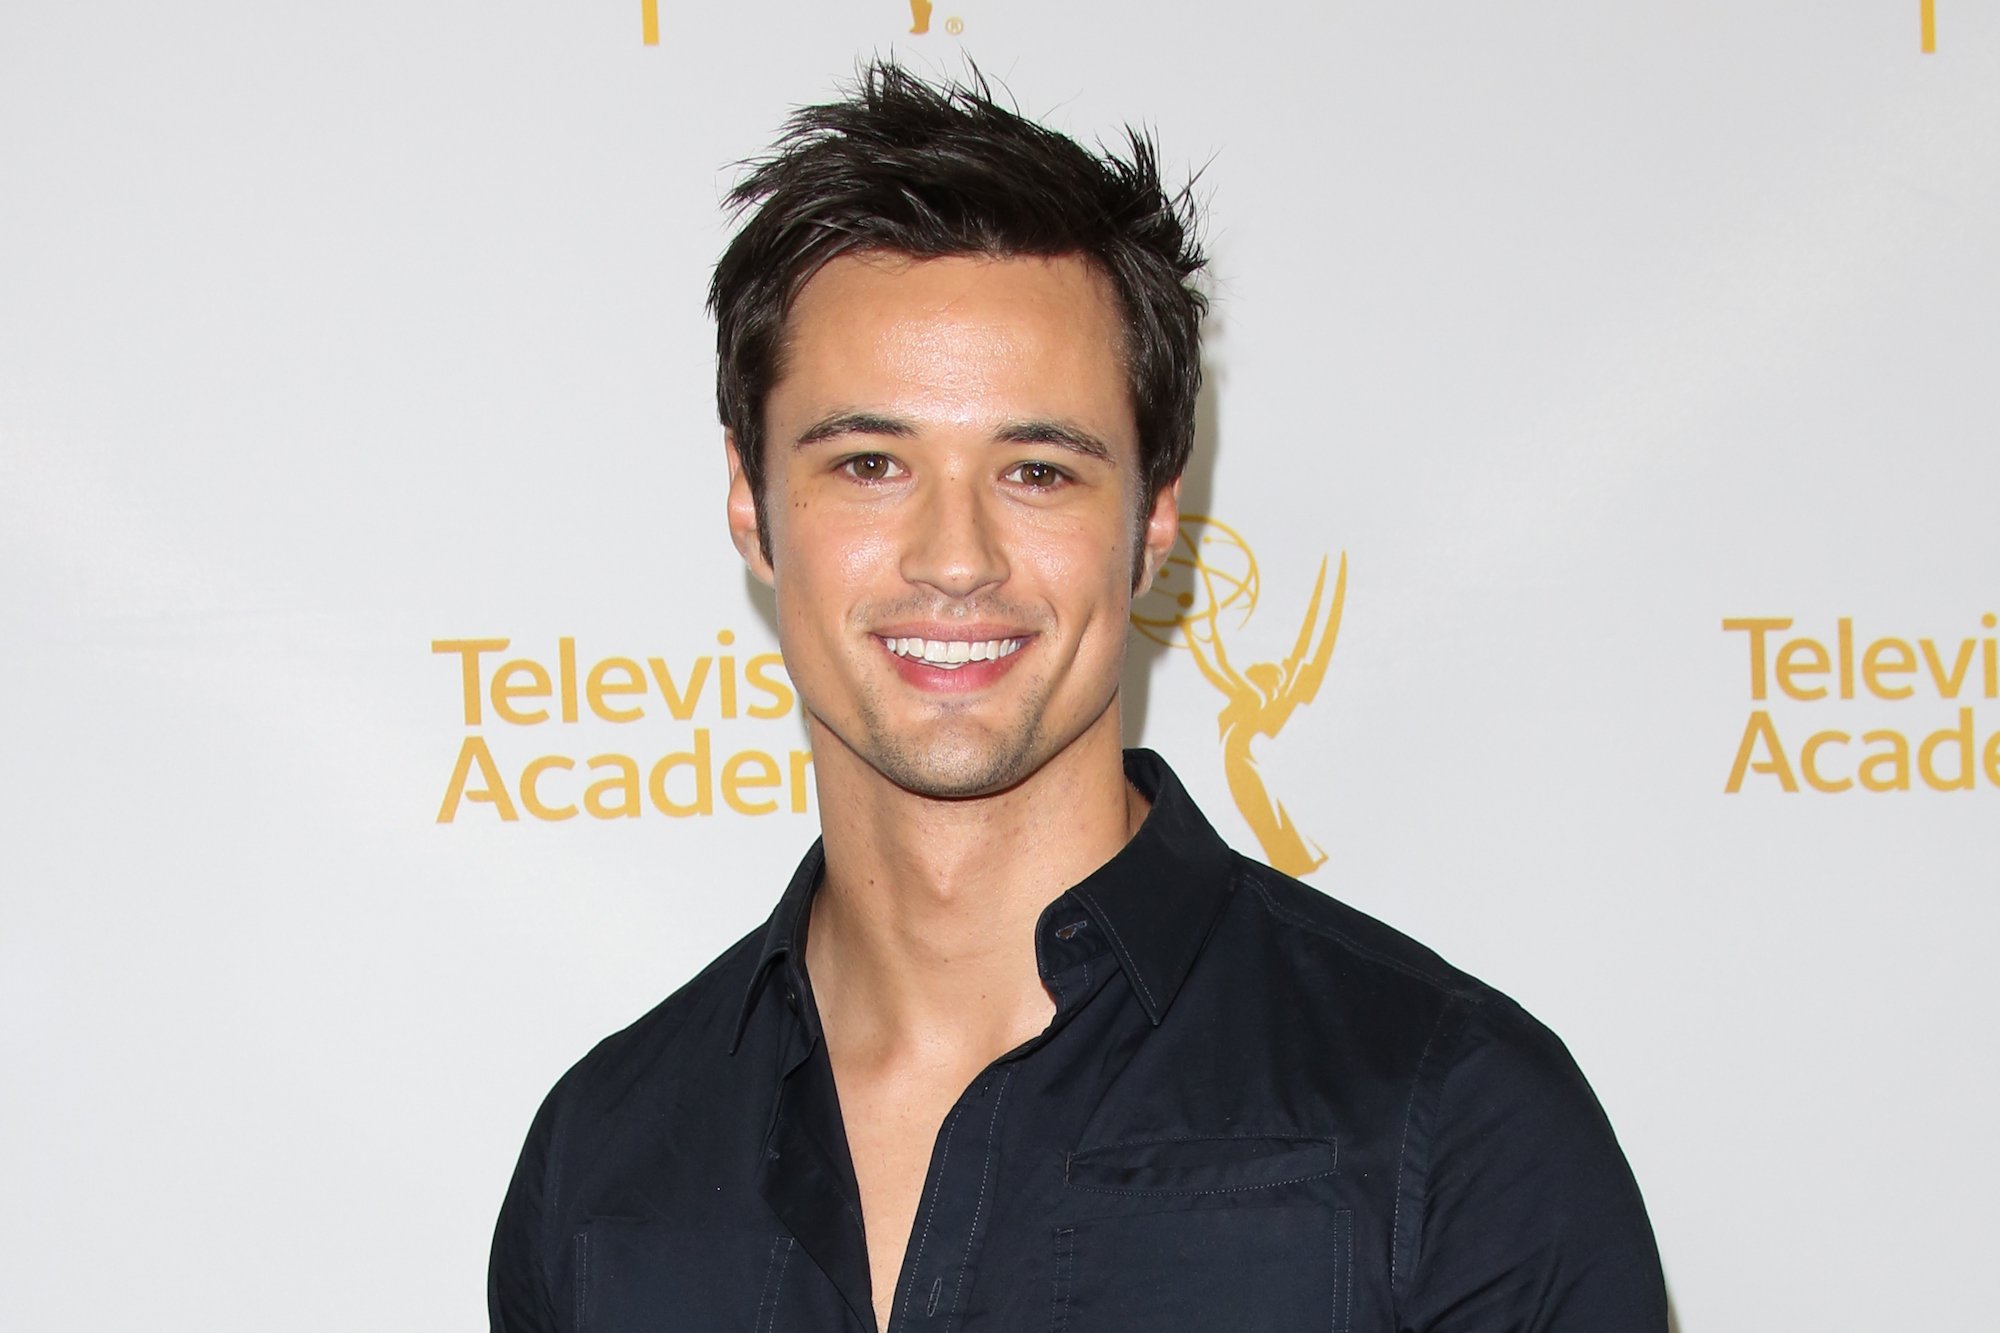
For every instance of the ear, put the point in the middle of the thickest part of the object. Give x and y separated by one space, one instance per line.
1162 529
743 516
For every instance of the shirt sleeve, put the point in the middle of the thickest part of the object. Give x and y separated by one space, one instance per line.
517 1276
1526 1216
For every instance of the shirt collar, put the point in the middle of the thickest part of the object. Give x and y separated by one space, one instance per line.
1155 901
784 947
1158 898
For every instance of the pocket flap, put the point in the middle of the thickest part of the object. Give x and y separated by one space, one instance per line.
1200 1165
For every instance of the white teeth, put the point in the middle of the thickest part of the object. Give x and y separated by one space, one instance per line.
951 654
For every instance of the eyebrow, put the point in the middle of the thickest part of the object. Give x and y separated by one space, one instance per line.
1037 431
1061 436
853 423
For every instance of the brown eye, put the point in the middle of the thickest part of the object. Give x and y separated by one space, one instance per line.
1039 475
869 467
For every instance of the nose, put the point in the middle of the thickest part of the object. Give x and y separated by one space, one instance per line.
954 541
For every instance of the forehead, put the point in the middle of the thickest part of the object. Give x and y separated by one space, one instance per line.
969 326
862 280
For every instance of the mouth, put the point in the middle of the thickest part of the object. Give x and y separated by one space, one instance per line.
950 654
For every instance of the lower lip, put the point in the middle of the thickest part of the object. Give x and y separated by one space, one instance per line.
957 680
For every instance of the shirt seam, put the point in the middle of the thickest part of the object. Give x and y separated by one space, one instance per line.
1465 1011
1285 1136
1271 904
552 1176
985 1179
1146 1192
930 1213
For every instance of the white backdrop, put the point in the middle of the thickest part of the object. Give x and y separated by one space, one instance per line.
331 331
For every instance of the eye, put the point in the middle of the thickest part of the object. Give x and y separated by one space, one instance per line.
870 467
1039 476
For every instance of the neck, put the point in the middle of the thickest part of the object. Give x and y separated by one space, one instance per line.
922 935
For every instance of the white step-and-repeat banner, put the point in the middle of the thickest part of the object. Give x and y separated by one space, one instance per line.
388 718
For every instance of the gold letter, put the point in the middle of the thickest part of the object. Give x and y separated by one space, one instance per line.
1809 761
532 798
1896 759
725 638
779 690
680 705
1949 685
1757 630
1873 668
474 751
1760 725
704 793
595 687
1962 734
566 667
536 688
734 781
1817 666
625 785
1991 659
1846 649
469 651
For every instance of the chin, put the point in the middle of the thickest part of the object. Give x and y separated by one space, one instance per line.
951 768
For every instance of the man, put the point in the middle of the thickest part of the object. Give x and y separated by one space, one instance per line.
1024 1045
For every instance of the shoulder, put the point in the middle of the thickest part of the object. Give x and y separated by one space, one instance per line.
1513 1205
653 1052
1331 993
1325 932
1473 1032
1513 1202
609 1095
1457 1047
1521 1210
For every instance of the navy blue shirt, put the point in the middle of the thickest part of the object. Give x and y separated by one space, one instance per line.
1254 1109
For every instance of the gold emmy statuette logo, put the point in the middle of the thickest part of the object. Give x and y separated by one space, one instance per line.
920 20
1205 592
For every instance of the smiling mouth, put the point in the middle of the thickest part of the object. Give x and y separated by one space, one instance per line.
951 654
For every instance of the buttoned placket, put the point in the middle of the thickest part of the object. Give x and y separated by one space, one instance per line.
808 1178
955 1207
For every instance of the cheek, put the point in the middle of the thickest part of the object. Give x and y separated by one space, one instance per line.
1088 569
828 561
863 552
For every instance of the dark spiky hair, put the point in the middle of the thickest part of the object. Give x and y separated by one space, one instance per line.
907 167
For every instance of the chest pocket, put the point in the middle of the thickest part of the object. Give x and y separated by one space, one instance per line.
1222 1234
634 1276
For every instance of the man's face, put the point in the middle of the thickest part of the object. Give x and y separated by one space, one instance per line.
952 481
